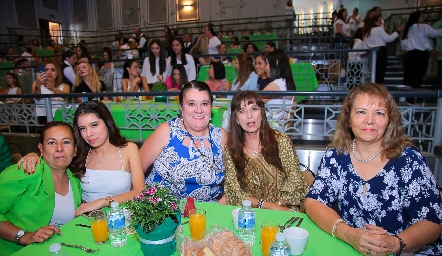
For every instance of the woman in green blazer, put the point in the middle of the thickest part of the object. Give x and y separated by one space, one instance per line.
32 207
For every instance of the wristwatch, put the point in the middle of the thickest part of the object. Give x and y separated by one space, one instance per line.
19 234
402 245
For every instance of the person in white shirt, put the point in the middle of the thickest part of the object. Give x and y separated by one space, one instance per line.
180 57
415 41
375 36
155 66
354 20
341 28
214 42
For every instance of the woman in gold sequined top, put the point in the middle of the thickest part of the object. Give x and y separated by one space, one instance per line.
260 163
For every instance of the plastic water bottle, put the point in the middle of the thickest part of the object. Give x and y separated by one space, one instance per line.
84 99
55 250
246 223
280 247
117 227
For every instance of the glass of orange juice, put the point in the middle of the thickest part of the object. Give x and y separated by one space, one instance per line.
197 221
99 227
269 229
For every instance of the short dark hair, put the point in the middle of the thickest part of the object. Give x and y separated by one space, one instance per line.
210 28
52 124
197 85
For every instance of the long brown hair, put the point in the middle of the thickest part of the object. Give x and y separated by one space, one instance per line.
369 25
246 67
16 82
236 139
115 137
394 139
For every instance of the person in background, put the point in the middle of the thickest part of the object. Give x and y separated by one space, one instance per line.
251 48
86 80
28 55
124 48
222 31
69 62
5 154
290 13
214 42
177 78
354 20
387 196
341 28
375 36
51 44
22 67
10 54
167 40
35 44
156 65
49 82
245 41
201 47
33 207
217 78
261 71
83 54
107 164
180 57
247 78
187 43
132 81
223 57
107 70
356 60
416 43
58 52
235 43
133 49
261 164
270 46
186 152
142 41
13 86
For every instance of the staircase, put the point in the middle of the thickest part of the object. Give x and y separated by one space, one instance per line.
394 74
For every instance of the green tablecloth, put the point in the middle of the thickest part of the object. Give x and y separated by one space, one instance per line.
137 122
319 242
231 73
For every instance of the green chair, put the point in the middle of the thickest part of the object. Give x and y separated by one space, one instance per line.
264 38
44 53
304 77
236 50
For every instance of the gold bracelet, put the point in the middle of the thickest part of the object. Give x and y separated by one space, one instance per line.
335 227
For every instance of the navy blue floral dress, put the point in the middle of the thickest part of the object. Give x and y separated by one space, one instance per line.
189 171
402 193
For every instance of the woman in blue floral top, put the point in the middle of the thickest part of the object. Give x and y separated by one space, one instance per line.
387 195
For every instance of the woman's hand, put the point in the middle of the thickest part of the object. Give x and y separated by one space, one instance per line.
29 162
160 78
368 241
41 80
91 206
274 206
137 80
40 235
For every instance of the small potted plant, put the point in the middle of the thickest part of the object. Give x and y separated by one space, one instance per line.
155 216
159 86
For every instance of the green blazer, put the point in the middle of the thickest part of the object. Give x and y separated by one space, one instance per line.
5 154
28 201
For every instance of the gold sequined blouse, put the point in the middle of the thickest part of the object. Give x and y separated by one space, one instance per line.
264 180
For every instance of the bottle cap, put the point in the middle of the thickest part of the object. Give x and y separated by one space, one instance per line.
114 204
55 247
280 237
246 203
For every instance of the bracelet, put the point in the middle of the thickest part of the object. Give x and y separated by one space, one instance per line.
110 199
402 245
260 203
335 227
279 203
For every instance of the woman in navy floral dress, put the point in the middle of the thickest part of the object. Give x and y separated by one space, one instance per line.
387 195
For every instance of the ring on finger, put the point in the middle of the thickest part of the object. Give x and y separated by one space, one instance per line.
368 252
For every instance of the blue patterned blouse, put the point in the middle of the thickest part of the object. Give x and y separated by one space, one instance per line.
189 171
402 193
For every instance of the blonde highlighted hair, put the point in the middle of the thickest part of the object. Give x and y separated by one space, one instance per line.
94 77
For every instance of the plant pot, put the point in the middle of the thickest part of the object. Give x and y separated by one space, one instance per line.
160 241
160 98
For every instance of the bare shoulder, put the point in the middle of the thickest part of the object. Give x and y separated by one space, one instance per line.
159 137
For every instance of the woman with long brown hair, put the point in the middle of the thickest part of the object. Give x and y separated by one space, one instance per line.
260 163
247 79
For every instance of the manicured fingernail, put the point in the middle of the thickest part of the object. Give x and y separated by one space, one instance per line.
29 173
33 172
24 170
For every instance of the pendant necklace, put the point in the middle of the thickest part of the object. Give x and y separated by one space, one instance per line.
254 151
362 160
